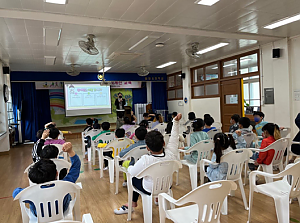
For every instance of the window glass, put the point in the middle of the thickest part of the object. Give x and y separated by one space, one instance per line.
171 81
171 94
246 91
199 91
231 99
179 93
254 90
230 68
212 72
248 64
178 80
212 89
199 75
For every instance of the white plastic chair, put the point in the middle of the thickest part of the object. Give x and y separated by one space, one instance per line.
135 153
115 146
279 148
86 218
208 200
61 153
90 133
251 139
161 127
60 164
204 149
235 160
161 173
218 125
212 133
105 138
281 191
285 132
49 202
289 151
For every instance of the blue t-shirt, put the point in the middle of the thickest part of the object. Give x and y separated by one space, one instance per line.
208 129
259 126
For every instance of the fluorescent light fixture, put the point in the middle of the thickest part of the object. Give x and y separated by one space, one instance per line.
60 2
229 65
214 68
143 43
50 60
166 64
206 2
52 36
232 72
214 47
105 69
283 22
244 60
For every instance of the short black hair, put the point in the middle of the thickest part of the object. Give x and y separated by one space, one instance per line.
39 133
157 116
191 116
145 115
209 120
141 133
120 93
51 126
42 171
120 115
245 122
155 141
207 116
174 114
235 117
127 121
120 133
105 125
49 152
198 124
89 121
259 113
144 123
54 133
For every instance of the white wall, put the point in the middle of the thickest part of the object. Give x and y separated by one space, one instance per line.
4 140
174 107
207 106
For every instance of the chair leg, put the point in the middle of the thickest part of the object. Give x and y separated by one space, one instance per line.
130 194
224 208
250 205
268 169
177 177
282 207
76 208
162 208
147 208
280 167
94 156
245 173
111 168
117 175
101 161
243 194
287 156
193 176
89 154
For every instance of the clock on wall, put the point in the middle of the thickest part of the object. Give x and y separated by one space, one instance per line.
5 93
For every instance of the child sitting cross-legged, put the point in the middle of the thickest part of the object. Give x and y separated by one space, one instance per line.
140 134
155 145
45 171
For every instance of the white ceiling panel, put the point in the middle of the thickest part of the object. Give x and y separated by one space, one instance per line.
55 8
35 5
11 4
97 8
136 9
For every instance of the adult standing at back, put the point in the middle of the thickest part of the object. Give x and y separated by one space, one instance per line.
120 103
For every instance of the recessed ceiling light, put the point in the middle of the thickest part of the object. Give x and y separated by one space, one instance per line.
166 64
61 2
219 45
283 22
206 2
105 69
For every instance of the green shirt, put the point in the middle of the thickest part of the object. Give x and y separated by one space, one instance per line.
104 131
195 138
259 126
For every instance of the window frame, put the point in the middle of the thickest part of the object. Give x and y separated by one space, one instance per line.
175 88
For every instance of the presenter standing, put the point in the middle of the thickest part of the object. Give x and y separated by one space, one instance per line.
120 103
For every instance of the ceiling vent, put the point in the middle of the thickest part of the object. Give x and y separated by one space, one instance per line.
123 56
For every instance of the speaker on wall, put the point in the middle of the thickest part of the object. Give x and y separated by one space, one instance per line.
5 70
276 53
182 75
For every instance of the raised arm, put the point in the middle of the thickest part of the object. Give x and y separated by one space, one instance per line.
174 138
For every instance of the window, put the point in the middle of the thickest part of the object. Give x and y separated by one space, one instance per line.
251 94
212 89
199 75
248 64
198 91
230 68
212 72
10 112
175 91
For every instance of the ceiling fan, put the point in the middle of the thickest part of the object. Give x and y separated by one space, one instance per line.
89 45
192 51
143 72
73 71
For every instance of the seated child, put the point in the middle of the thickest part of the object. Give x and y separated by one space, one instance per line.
105 128
35 156
271 133
155 145
120 133
259 120
234 121
208 120
53 134
191 118
89 126
96 125
140 134
45 170
144 124
197 136
244 124
158 119
127 124
223 145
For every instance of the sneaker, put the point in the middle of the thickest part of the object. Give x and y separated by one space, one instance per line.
124 184
122 210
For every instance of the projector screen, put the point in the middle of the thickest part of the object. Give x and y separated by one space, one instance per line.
86 99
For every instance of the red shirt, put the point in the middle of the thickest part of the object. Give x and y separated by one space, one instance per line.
266 157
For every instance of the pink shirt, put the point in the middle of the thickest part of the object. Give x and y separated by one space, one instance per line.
54 141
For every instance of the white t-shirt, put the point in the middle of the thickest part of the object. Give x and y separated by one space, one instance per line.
171 153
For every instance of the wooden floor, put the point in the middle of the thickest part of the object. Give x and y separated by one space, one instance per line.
99 199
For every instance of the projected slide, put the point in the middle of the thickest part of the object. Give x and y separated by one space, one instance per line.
87 99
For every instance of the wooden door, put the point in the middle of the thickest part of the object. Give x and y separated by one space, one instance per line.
231 101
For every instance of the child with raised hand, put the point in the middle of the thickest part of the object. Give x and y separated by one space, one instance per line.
34 154
155 145
45 171
223 145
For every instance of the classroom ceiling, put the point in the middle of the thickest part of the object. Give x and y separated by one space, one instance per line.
119 24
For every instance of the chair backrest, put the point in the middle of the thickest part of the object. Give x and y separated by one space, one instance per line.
131 130
218 125
86 218
211 133
61 153
161 127
284 132
235 160
105 138
204 149
136 153
250 139
279 148
48 199
118 144
209 198
92 132
161 174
